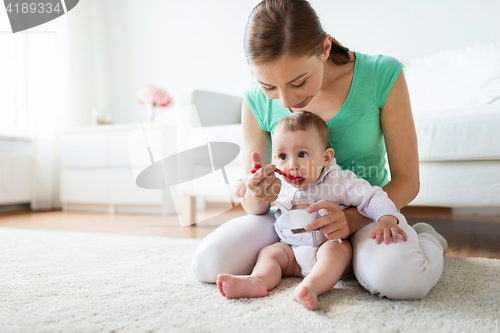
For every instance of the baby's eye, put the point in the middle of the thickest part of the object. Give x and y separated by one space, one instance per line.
282 157
302 154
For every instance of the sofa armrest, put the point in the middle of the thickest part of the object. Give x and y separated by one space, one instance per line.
216 109
210 109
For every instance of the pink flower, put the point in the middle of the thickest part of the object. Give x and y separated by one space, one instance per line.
153 95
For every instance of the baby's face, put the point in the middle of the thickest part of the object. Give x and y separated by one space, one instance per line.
300 154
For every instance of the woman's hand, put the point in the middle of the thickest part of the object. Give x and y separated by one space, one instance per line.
263 185
386 226
239 189
334 225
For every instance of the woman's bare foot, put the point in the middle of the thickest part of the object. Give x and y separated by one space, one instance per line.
241 286
306 296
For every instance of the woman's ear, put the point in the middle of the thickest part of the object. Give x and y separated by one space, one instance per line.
328 157
327 45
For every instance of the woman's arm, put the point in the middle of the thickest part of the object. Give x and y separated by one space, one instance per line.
256 140
402 152
401 143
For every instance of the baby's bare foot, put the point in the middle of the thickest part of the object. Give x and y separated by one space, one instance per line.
240 286
306 296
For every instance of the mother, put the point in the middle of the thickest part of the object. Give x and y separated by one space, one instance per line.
364 100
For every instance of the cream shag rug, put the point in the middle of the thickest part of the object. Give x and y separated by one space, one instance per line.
59 281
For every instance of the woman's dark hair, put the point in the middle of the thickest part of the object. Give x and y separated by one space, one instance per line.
278 27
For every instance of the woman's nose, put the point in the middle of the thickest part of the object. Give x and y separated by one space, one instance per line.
286 99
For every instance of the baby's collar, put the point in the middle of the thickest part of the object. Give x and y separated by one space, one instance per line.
326 170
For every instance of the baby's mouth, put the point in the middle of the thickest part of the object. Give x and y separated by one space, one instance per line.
298 182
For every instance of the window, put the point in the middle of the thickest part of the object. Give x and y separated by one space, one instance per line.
27 78
9 118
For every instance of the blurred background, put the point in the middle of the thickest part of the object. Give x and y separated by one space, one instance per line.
98 55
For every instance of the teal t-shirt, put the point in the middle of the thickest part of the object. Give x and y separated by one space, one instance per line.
355 132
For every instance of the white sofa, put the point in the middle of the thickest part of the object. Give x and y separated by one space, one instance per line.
455 98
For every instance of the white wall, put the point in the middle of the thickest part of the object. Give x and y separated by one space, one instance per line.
409 28
196 44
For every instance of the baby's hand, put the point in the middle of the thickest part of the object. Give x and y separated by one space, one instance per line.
239 189
385 226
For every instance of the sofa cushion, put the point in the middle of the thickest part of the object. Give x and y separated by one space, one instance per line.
450 79
490 91
469 133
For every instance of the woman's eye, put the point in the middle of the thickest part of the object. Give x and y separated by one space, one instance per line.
282 157
300 85
302 154
269 89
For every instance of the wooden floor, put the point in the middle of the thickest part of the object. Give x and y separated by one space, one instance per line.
468 236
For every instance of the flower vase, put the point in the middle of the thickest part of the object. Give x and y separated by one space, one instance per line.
151 112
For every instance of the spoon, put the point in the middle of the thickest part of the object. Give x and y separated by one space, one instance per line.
293 179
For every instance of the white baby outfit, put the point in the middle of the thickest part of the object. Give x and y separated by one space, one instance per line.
342 187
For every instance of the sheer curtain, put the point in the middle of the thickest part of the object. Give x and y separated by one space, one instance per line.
50 69
47 99
42 100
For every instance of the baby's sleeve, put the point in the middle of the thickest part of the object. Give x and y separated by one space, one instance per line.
371 201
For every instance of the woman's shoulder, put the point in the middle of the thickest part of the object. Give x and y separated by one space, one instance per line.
268 112
379 72
379 62
254 90
255 96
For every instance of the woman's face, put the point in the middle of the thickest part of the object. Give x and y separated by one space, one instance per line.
291 79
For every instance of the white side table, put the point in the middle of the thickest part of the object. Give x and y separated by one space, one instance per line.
97 175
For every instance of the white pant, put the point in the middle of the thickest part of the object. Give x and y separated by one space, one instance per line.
402 270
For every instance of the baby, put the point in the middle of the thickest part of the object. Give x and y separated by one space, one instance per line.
301 149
